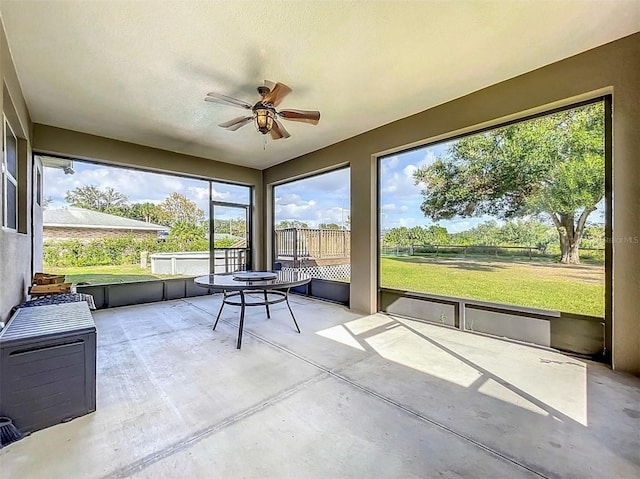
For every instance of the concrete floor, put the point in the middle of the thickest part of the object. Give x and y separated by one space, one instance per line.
352 396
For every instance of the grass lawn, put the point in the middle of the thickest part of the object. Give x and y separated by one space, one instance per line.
574 289
123 273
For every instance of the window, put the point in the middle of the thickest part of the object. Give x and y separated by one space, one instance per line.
230 227
10 178
104 224
312 225
514 215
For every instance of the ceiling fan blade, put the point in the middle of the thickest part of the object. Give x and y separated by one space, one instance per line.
277 94
312 117
278 131
227 100
236 123
269 84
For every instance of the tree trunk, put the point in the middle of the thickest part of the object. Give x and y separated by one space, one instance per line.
570 234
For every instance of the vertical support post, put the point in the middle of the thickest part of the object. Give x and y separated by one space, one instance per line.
295 248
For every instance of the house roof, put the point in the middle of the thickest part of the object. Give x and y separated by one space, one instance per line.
94 67
73 217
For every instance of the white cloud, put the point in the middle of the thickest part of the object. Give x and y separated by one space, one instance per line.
395 208
293 207
400 185
292 199
136 185
429 158
335 215
409 170
391 162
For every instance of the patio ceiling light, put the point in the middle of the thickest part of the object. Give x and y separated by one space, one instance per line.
263 118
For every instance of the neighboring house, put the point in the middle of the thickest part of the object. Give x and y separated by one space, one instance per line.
79 223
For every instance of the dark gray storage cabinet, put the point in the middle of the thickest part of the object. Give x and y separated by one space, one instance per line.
48 365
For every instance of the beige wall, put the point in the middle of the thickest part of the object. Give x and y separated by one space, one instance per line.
15 247
613 68
57 141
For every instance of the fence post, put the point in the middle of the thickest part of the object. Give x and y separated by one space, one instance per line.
144 255
344 244
226 261
320 235
295 248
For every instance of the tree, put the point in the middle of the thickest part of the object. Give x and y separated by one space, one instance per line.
92 197
147 212
418 235
187 231
437 235
397 237
231 226
284 224
329 226
551 165
177 207
487 233
523 232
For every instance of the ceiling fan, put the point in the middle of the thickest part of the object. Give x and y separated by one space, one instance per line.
263 113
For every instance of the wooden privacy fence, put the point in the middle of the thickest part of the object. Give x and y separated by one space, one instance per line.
305 243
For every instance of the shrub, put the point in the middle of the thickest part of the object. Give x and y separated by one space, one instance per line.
113 251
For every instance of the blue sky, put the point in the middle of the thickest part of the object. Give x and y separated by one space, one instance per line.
319 199
138 186
400 198
323 198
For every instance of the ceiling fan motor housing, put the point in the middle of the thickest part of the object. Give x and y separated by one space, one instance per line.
264 91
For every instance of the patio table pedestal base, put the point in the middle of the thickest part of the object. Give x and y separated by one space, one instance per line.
243 303
236 291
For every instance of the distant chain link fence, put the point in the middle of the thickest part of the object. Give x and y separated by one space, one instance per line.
452 250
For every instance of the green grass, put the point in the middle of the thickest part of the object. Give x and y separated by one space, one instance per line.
105 274
574 289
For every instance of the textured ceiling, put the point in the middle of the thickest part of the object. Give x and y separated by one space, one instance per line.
138 71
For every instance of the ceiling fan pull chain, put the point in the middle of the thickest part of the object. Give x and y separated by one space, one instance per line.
264 144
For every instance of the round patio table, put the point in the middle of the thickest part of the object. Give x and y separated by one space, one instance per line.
275 290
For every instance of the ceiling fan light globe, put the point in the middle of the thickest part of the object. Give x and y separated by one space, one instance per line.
264 119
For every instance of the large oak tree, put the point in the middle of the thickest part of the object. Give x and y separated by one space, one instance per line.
552 165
